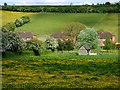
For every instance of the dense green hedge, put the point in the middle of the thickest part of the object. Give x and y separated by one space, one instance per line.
101 8
21 21
8 27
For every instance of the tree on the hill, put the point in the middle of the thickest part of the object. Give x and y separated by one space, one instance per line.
8 27
5 4
51 44
88 37
107 3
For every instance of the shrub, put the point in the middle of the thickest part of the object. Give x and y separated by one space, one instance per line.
8 27
25 19
21 21
69 45
61 45
51 44
11 42
35 46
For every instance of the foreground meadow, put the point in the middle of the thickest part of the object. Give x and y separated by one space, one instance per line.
60 70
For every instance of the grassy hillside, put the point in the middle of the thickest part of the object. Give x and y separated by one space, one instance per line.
47 23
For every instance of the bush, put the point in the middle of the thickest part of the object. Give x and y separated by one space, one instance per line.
25 19
21 21
69 45
8 27
61 45
51 44
11 42
35 46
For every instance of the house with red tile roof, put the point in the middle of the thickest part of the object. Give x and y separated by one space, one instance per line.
26 36
103 35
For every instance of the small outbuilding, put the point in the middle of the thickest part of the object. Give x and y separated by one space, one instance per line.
84 50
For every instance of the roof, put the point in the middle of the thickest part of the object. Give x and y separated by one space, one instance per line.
104 34
60 35
87 47
26 34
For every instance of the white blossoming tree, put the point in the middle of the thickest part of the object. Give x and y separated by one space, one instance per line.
88 37
51 44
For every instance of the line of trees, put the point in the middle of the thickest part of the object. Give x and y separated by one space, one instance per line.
99 8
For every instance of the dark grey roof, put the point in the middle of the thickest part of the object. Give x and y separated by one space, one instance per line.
87 47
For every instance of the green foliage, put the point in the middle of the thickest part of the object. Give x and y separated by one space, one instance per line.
69 45
61 45
101 8
65 45
88 37
108 44
25 19
21 21
8 27
51 44
34 45
74 28
11 42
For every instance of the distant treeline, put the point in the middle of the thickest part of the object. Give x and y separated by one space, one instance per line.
99 8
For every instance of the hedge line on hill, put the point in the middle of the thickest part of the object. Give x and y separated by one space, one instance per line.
112 8
18 22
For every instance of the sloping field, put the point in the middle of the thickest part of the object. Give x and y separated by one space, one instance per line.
47 23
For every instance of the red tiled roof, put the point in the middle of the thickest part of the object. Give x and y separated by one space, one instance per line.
60 35
104 34
26 35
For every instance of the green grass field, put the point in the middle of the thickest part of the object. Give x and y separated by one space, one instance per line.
56 70
60 70
47 23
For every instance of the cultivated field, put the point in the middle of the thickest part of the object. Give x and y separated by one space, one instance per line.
47 23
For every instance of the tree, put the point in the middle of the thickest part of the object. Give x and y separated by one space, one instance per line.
88 37
8 27
5 4
73 30
51 44
35 46
108 44
11 42
69 45
61 45
107 3
21 21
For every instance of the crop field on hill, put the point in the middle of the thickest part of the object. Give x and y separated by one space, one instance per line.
47 23
57 70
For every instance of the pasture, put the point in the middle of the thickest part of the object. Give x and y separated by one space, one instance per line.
60 70
47 23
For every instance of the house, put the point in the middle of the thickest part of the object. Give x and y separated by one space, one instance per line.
117 45
103 35
63 36
26 36
84 50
